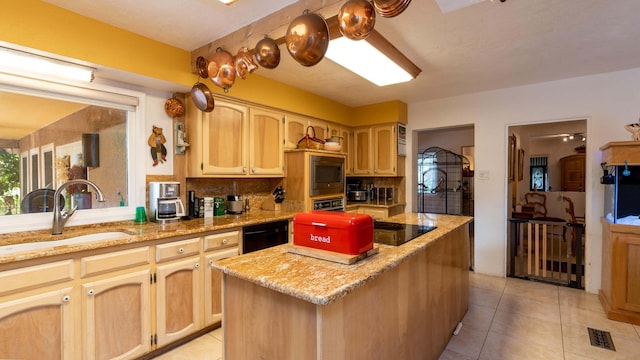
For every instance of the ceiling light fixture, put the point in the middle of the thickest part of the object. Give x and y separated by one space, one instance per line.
22 63
373 58
227 2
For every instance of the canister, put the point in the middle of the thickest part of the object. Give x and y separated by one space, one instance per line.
208 207
218 206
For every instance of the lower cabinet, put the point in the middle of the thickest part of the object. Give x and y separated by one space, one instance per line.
115 305
40 326
116 316
178 301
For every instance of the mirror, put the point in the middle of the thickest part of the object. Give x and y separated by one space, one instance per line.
46 142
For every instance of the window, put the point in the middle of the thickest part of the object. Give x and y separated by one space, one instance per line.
538 174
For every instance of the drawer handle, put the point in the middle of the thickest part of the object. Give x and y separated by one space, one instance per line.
66 298
318 224
211 262
91 292
181 250
197 266
224 241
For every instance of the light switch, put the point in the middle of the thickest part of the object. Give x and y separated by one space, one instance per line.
483 174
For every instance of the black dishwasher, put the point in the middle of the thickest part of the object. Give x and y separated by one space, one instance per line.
265 235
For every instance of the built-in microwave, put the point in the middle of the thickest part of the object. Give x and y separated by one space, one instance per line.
326 175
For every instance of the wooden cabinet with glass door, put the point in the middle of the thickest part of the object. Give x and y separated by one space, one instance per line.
37 312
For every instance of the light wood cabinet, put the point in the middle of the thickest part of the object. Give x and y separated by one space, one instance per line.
178 290
235 140
37 312
376 151
216 247
40 326
116 316
572 170
380 212
346 139
295 128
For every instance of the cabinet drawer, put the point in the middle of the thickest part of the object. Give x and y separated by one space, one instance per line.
98 264
214 241
35 276
177 249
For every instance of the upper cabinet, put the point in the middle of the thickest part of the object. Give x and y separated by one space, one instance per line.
376 151
235 140
295 127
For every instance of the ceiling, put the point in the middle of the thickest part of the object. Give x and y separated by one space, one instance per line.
483 46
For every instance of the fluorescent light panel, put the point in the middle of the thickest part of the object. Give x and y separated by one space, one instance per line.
227 2
35 66
373 58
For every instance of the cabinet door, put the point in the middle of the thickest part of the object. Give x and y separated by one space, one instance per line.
294 129
266 155
320 127
38 327
116 316
626 272
224 132
178 300
347 147
213 285
375 213
362 164
385 155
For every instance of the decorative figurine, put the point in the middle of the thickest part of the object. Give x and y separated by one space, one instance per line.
634 129
156 142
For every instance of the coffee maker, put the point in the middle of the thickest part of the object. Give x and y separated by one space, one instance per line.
164 201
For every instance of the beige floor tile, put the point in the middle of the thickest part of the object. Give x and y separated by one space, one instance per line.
205 347
478 317
218 334
487 282
534 308
596 320
579 299
545 333
452 355
499 346
468 342
540 292
576 342
484 297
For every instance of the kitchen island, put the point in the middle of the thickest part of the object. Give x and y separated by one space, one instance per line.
402 303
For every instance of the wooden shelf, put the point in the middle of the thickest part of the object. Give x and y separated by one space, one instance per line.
616 153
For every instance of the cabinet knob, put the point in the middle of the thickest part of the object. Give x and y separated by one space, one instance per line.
197 266
181 250
91 292
224 241
211 262
244 170
66 298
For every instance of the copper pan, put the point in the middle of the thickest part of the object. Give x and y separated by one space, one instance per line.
307 38
356 19
202 97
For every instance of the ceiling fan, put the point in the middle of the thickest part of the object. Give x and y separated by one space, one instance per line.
452 5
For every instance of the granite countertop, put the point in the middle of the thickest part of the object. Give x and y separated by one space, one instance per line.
374 204
322 282
139 233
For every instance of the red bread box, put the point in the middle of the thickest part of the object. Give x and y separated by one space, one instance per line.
345 233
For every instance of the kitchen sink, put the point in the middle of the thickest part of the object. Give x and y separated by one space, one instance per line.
81 239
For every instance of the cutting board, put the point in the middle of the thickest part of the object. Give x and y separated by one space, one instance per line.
330 255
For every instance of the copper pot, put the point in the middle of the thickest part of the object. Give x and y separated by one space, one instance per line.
307 38
221 69
356 19
267 53
202 97
244 63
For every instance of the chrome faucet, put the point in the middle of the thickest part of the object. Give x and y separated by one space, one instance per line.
60 217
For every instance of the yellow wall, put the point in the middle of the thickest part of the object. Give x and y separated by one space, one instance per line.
38 25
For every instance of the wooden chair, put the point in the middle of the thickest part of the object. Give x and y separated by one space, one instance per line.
539 203
570 216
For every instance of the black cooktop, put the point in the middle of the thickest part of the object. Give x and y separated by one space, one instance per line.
395 234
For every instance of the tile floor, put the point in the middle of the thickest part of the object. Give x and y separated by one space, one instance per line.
507 319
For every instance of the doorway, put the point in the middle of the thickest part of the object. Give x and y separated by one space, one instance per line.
546 197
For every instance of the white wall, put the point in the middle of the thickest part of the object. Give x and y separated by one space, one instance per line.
607 101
